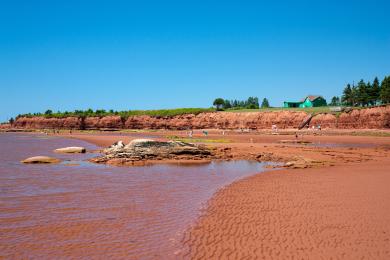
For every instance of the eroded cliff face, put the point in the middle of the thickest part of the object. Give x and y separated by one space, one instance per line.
5 126
377 117
42 122
369 118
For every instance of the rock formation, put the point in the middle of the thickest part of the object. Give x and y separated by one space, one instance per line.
151 150
72 149
41 159
374 118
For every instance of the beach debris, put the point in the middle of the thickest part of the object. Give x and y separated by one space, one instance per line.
149 149
118 144
305 121
71 149
41 159
115 147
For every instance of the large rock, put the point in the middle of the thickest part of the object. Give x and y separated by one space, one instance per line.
148 149
41 159
72 149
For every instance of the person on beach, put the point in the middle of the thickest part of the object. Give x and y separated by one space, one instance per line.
274 129
190 133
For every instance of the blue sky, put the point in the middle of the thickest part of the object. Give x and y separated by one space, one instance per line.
67 55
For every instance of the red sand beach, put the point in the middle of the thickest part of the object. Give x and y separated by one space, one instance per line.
333 204
339 209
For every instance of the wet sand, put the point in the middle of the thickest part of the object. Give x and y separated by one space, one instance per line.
80 210
337 208
341 212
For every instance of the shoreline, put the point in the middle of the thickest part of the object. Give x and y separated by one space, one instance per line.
336 207
254 217
323 211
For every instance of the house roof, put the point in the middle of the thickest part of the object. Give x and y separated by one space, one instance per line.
295 102
311 98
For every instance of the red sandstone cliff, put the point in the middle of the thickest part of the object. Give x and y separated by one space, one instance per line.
377 117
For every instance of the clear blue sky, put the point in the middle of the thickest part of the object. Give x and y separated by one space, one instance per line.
67 55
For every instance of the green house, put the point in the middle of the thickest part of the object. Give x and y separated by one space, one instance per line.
309 101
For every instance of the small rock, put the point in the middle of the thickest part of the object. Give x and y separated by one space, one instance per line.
117 145
289 164
41 159
72 149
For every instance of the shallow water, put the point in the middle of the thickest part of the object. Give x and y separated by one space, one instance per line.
89 210
342 145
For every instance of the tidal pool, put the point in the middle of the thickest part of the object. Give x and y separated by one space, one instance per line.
82 210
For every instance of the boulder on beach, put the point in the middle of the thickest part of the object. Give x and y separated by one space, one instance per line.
149 149
72 149
41 159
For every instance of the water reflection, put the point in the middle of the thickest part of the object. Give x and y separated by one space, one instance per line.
88 210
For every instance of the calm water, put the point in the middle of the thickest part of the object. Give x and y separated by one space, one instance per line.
96 211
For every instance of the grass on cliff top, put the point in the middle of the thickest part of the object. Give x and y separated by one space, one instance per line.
123 114
271 109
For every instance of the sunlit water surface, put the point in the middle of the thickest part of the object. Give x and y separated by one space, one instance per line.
77 209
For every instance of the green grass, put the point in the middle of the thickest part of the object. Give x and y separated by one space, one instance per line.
271 109
123 114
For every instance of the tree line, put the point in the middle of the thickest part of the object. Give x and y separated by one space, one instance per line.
123 114
250 103
364 93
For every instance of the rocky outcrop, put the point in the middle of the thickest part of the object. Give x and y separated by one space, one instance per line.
151 150
43 122
72 149
376 117
103 122
41 159
5 126
324 120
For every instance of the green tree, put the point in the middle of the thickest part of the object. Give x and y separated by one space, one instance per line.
385 90
355 96
218 103
347 97
89 112
11 121
374 92
252 103
48 112
362 93
335 101
227 104
265 103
